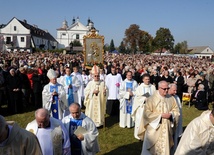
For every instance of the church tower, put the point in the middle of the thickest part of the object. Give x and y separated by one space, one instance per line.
64 24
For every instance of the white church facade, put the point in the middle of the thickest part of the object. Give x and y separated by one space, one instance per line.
66 35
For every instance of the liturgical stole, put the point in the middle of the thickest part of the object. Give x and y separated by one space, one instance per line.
129 87
70 90
55 103
75 142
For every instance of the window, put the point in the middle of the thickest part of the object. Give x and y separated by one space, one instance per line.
8 40
77 36
14 28
22 39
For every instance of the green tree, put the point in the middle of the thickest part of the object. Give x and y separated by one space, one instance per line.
132 35
184 47
181 48
177 48
145 41
122 47
111 47
76 43
163 39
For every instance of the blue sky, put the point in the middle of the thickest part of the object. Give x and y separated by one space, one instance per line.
190 20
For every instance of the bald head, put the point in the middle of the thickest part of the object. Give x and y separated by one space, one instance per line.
75 110
42 112
42 117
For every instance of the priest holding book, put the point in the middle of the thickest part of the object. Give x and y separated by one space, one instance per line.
82 132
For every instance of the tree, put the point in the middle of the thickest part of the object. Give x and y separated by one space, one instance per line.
181 48
122 48
177 48
163 39
132 35
145 41
112 48
184 47
76 43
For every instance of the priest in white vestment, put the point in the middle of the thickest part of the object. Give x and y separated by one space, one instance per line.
127 92
179 130
113 81
17 141
143 91
71 85
51 133
95 98
80 91
54 96
160 118
198 137
82 131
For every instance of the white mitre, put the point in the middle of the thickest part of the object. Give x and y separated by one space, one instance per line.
51 74
95 70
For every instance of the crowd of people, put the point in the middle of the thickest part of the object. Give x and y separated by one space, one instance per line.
143 91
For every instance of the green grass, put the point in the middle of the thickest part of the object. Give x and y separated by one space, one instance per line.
113 140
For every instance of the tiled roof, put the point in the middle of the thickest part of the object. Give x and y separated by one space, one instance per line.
35 31
197 49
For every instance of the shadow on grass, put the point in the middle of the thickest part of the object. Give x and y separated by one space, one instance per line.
130 149
4 111
111 120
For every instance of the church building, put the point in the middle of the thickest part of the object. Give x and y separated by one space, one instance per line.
66 35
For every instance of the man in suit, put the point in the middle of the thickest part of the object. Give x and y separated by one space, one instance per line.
179 81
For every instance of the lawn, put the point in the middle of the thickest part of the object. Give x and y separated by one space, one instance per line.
112 139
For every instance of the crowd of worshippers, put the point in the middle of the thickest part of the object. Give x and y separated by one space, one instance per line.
144 91
24 75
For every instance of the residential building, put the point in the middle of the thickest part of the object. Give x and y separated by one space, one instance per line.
201 51
18 35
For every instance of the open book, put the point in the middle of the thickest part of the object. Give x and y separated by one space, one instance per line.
80 130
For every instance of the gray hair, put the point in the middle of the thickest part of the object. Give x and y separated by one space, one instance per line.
172 85
42 112
161 82
201 86
75 104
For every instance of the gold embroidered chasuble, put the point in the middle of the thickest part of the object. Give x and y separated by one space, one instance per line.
21 142
158 132
95 104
